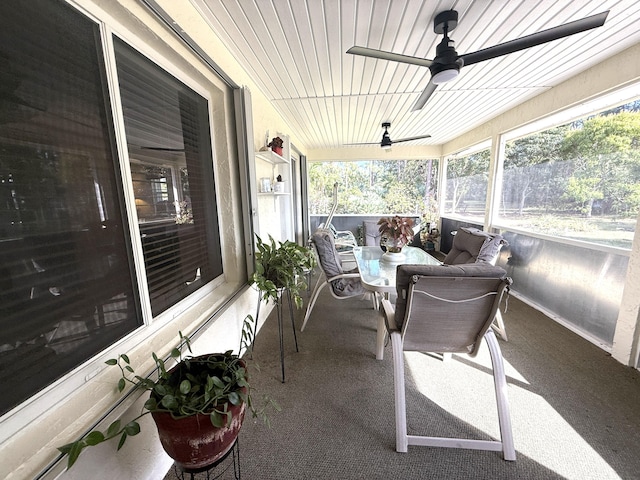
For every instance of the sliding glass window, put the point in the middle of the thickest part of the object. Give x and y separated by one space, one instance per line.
169 143
66 289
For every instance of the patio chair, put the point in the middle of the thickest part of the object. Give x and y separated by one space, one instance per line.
371 233
448 308
344 240
344 284
472 245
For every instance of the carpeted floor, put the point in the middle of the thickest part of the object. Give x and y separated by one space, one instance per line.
575 410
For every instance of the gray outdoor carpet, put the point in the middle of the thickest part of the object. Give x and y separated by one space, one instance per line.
575 410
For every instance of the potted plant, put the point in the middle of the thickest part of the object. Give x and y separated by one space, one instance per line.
395 232
276 144
279 266
198 405
429 232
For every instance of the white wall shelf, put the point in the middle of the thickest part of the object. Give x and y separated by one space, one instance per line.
274 209
273 194
271 157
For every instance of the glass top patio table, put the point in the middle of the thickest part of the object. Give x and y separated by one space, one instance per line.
379 274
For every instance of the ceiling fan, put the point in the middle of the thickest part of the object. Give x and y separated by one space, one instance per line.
447 63
386 138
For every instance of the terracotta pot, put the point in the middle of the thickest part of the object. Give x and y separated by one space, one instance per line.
193 442
277 150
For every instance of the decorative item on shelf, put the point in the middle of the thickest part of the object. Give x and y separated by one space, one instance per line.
276 144
279 185
198 405
265 184
395 232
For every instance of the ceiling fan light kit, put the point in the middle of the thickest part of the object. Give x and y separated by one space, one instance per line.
446 65
445 76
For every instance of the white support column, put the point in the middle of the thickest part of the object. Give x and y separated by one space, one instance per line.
627 336
494 187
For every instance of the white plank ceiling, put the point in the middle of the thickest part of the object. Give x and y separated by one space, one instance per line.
295 52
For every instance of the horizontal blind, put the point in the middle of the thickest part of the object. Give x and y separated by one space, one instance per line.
167 130
66 290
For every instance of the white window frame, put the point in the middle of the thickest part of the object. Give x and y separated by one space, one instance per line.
55 393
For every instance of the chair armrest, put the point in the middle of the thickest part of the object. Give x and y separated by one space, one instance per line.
343 275
390 315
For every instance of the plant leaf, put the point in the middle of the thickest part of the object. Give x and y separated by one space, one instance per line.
113 428
66 448
217 382
217 419
185 387
151 404
123 438
94 438
132 428
234 398
160 390
74 453
111 361
121 384
169 402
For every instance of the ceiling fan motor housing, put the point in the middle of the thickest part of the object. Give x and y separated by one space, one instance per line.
386 138
446 58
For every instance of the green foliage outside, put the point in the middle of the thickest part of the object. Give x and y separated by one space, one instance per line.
580 180
467 180
377 187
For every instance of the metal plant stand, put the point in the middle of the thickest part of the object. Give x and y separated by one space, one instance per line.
215 470
281 293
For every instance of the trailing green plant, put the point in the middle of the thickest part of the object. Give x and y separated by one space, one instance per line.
205 385
281 265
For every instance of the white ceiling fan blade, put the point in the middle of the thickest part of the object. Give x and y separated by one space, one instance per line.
395 57
424 96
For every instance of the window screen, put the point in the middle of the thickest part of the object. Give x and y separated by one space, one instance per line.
169 143
66 291
466 187
580 180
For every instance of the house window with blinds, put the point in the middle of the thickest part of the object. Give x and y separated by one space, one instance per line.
169 143
66 284
68 288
